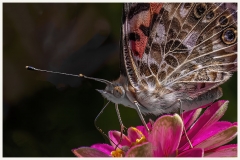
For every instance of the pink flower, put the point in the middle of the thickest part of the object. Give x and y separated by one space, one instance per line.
166 139
208 132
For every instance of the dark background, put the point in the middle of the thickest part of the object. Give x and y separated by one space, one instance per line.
46 115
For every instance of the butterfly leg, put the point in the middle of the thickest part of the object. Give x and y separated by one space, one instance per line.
95 123
141 116
121 124
184 129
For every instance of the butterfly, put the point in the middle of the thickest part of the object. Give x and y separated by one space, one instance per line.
174 55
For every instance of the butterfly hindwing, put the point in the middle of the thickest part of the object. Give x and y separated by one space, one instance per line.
212 57
182 50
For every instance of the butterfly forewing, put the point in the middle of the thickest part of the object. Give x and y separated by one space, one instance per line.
178 51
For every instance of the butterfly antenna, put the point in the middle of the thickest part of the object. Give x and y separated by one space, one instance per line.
75 75
96 79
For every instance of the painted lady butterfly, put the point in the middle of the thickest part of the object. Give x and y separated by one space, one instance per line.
172 53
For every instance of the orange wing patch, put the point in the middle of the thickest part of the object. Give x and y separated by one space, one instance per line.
141 26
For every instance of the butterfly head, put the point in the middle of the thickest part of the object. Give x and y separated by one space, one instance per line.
118 92
114 93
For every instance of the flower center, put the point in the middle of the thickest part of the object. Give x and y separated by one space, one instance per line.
117 153
139 141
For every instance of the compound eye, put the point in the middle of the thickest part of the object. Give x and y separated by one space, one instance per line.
118 92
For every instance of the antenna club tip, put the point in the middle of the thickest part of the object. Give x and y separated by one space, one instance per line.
30 68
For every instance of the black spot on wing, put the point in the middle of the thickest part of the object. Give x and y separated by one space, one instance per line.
134 36
136 53
145 30
137 9
154 18
223 21
199 10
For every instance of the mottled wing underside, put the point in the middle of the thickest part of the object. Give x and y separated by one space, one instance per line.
181 47
137 21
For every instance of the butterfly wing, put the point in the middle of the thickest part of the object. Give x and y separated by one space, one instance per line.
179 49
202 51
137 22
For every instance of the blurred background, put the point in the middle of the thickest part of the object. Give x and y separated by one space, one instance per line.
47 115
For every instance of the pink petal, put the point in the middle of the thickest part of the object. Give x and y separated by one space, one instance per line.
223 151
105 148
134 133
115 136
190 116
213 130
143 129
143 150
88 152
194 152
219 139
208 118
165 135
